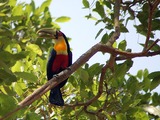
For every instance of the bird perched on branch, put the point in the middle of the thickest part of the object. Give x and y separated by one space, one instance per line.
60 58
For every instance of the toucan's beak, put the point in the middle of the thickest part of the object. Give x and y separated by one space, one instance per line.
47 33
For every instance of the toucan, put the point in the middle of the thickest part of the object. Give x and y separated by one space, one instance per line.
60 58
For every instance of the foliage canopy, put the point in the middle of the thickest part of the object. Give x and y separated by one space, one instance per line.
119 95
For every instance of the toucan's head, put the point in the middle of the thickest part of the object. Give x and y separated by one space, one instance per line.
49 33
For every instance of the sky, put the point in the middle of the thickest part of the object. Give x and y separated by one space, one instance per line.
83 32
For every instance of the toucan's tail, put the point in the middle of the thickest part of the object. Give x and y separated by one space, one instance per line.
55 97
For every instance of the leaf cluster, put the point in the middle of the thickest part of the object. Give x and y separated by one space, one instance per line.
23 56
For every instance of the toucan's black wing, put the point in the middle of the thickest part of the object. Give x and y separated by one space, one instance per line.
49 64
69 58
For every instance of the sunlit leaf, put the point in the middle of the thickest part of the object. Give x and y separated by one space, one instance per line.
86 3
12 2
35 48
63 19
140 74
45 4
92 108
18 87
103 97
122 45
27 76
18 11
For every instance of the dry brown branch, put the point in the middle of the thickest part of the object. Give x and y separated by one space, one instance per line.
155 4
149 26
152 8
152 45
99 47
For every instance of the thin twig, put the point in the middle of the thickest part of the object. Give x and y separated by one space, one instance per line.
152 45
155 4
149 26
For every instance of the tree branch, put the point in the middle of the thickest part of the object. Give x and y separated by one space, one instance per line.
66 73
149 26
152 8
152 45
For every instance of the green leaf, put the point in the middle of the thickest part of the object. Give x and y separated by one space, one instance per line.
35 48
83 75
28 9
155 99
99 32
123 29
6 77
122 68
102 97
6 32
135 102
95 69
155 82
33 116
17 67
131 83
18 10
5 67
12 2
62 19
121 116
155 76
99 9
7 104
27 76
155 24
105 38
145 73
140 74
92 108
45 4
122 45
19 87
86 3
140 114
95 87
108 4
146 84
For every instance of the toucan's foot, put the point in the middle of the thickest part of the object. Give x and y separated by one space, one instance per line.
55 75
68 68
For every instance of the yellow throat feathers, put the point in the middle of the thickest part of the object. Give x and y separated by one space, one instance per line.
60 46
